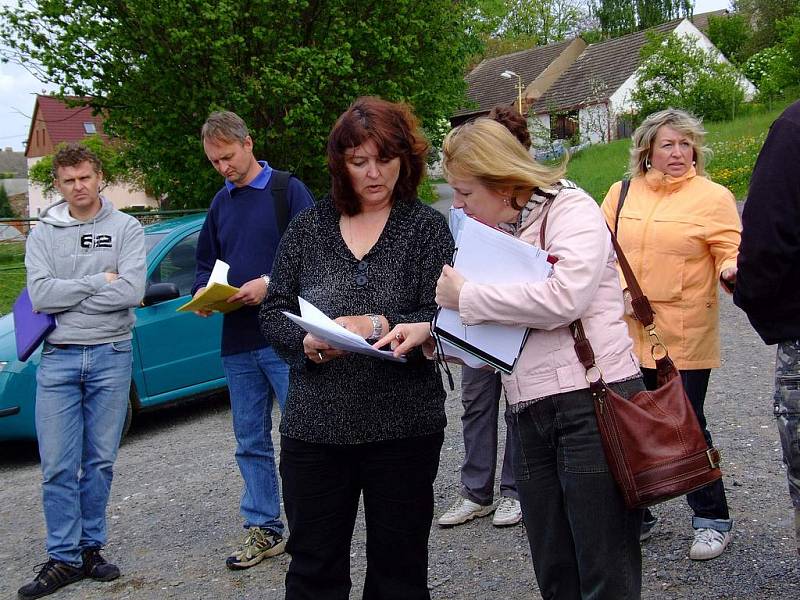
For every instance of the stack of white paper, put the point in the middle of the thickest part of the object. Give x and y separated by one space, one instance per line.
315 322
490 256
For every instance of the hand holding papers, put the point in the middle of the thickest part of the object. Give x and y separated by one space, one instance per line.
486 255
216 293
315 322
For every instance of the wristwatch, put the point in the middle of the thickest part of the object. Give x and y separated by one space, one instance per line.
266 279
377 327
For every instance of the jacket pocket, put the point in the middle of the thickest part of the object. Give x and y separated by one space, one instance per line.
662 279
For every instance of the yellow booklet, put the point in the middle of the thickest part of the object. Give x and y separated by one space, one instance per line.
216 293
214 297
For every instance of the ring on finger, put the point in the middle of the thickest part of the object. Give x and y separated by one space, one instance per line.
321 355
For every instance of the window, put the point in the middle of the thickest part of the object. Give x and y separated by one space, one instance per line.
564 126
89 128
178 266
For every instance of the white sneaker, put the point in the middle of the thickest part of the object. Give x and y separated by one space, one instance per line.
462 511
507 513
709 543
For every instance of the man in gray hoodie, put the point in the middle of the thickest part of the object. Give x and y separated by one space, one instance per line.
86 265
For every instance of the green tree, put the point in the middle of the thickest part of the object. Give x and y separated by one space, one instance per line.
541 21
112 156
677 72
618 17
289 68
5 206
731 35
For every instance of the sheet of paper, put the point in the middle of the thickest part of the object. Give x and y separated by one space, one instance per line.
487 255
315 322
219 274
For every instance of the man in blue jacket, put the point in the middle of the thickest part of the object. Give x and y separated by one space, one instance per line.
768 278
243 229
85 263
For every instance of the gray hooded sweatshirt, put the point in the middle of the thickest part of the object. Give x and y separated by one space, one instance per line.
67 260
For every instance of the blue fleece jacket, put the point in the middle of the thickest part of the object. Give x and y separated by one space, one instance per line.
241 230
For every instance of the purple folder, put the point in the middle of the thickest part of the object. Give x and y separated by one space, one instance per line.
30 328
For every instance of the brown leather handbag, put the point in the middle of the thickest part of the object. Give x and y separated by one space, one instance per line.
653 442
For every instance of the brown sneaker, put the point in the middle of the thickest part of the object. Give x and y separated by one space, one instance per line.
258 545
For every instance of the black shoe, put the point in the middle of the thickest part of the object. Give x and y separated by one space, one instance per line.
647 527
97 567
54 574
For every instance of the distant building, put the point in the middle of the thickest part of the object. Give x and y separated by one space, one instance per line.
53 123
572 90
14 163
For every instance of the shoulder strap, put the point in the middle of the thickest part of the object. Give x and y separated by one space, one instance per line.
623 192
279 184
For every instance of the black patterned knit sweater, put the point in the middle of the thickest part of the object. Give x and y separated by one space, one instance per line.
356 399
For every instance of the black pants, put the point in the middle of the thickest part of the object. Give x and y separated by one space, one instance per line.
321 488
708 502
584 540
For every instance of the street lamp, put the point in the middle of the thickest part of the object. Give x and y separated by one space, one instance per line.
508 75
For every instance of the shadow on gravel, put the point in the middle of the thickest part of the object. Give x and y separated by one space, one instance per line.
153 422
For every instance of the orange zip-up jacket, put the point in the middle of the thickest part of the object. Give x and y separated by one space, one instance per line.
679 234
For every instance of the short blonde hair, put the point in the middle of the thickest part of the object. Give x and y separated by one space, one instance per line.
489 152
645 135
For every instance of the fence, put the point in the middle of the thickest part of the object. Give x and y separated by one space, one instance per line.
14 232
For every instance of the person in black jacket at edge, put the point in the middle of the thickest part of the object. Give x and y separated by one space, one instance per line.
768 281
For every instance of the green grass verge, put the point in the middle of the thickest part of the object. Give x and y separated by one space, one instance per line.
13 278
734 145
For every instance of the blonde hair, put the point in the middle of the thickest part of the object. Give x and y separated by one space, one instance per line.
681 121
489 152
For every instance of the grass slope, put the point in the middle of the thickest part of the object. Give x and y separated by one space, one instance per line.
734 146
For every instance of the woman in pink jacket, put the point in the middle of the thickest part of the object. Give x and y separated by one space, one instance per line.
584 541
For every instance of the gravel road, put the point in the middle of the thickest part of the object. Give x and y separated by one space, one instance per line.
173 511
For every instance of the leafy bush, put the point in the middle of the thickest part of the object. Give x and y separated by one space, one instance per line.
5 206
426 192
772 70
675 72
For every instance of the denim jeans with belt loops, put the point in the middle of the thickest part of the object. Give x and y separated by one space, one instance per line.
82 397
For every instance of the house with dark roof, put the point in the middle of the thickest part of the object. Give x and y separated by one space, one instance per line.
589 98
536 67
574 90
56 121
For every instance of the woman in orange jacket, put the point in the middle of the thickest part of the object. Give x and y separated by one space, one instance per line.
680 231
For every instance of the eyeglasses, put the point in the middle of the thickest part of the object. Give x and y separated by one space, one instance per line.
361 272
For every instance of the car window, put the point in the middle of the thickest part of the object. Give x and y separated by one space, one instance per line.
178 265
151 239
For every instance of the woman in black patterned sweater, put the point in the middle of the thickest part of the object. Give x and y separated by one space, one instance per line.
369 255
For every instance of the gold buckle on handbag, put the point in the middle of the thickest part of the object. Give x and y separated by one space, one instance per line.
656 343
713 457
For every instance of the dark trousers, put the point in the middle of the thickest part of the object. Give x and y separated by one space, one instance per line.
708 502
480 394
584 541
321 488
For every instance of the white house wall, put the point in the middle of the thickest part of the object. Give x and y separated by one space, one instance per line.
119 195
593 123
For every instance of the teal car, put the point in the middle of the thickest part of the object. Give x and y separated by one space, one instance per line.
175 354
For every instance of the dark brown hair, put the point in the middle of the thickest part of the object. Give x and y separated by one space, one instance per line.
395 131
510 118
71 155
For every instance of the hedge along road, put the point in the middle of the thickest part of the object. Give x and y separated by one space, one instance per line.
173 514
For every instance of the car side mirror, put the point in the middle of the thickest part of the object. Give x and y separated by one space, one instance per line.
160 292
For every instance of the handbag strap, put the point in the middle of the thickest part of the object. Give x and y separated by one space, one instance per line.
641 306
623 193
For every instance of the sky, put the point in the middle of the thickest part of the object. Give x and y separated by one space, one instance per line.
18 88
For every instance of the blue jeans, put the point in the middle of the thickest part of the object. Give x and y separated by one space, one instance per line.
584 541
82 397
253 378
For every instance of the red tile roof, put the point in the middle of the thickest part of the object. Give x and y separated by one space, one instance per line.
64 123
